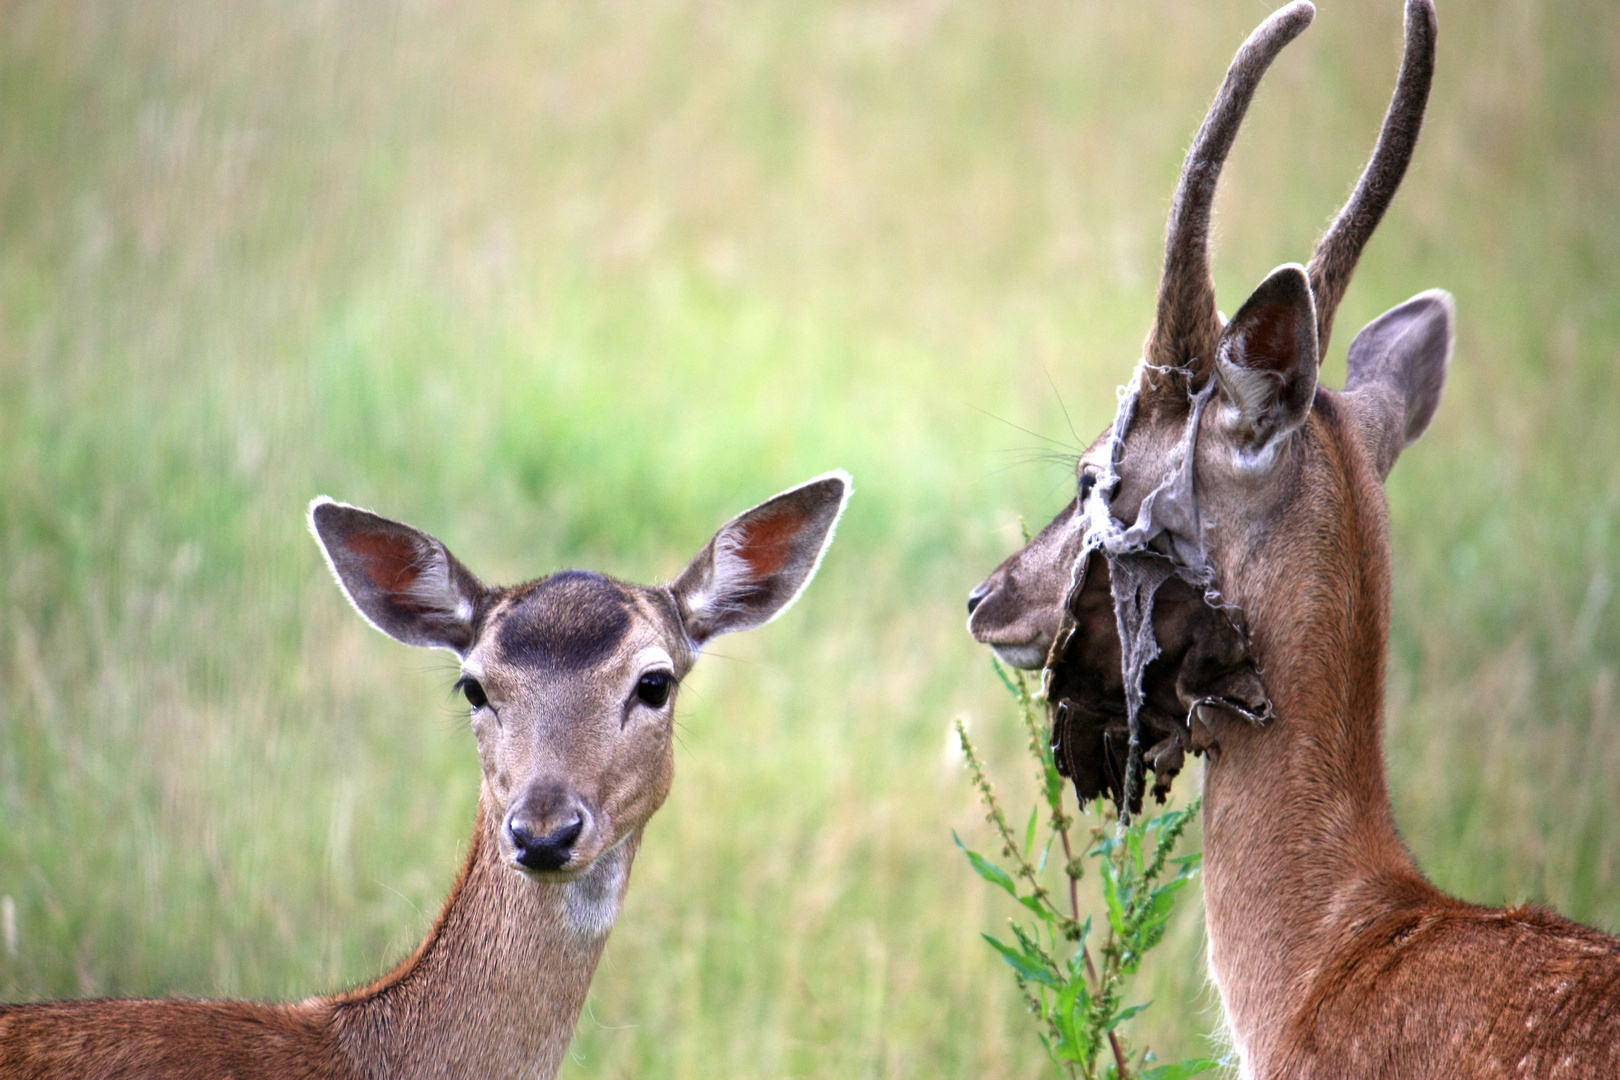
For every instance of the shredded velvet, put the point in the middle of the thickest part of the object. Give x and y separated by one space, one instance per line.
1199 645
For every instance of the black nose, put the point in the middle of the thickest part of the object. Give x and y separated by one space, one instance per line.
976 597
547 852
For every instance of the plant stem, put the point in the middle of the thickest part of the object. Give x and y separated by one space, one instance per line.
1119 1056
1085 950
1074 896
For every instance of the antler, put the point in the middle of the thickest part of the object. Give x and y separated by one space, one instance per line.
1334 260
1188 325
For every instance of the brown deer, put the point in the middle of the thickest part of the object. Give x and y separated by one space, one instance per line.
1244 614
572 682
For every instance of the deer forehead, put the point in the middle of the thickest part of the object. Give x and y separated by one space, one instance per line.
575 625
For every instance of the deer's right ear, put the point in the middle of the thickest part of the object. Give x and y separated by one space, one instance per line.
1397 369
403 581
760 561
1266 363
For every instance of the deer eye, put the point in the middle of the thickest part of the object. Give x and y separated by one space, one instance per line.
473 690
1088 480
654 687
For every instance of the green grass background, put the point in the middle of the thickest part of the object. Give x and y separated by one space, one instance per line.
569 285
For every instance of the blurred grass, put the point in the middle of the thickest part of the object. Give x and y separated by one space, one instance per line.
570 285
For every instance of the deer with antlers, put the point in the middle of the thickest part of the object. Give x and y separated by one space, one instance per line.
1221 586
571 681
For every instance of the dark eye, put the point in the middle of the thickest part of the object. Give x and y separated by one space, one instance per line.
1088 480
473 691
654 687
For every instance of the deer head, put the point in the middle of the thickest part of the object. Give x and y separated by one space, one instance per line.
1173 594
572 678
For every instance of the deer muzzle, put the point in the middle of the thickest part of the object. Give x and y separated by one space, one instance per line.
546 830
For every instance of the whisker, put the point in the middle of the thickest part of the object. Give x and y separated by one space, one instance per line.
1068 463
1019 427
733 659
1058 394
1040 455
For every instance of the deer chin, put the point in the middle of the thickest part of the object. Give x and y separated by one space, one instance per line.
561 876
1203 664
1029 656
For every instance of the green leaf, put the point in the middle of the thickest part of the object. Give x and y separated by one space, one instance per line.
1028 966
1162 898
1006 680
1125 1014
1073 1002
1054 780
1116 909
1161 903
1029 833
1180 1070
986 869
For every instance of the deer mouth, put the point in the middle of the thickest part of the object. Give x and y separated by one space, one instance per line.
551 835
562 875
579 864
1002 616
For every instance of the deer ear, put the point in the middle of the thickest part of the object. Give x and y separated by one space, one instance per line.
760 561
1397 369
403 581
1266 361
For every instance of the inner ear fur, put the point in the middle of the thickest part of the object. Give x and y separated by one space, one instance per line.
756 566
1398 364
1266 360
401 580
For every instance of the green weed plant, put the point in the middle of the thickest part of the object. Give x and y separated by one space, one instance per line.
1079 1003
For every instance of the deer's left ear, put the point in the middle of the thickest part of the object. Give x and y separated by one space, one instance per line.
1397 369
1266 362
760 561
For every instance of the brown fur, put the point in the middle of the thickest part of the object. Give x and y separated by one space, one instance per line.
1333 955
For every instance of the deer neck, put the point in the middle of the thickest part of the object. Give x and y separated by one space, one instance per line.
497 987
1300 841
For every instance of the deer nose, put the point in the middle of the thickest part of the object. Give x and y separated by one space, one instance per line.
976 597
539 848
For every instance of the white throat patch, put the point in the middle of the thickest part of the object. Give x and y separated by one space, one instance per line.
593 900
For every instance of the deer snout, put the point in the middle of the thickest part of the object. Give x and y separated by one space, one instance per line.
544 828
1018 609
1018 626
